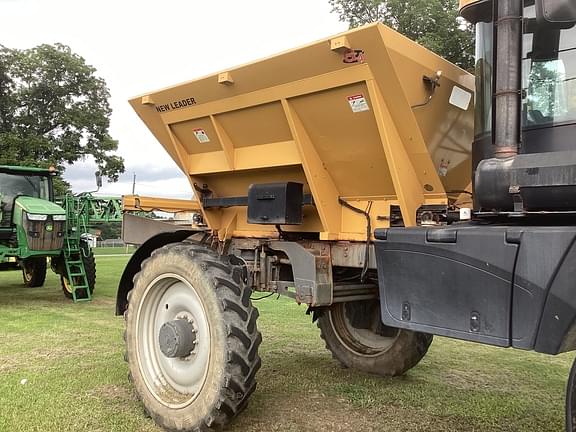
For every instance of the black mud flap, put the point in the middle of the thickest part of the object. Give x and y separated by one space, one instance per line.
503 286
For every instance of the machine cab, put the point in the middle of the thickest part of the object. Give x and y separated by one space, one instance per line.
528 99
29 220
15 182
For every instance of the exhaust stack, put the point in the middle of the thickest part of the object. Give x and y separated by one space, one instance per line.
508 80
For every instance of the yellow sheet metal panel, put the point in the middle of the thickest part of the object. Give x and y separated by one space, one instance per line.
349 117
169 205
474 10
465 3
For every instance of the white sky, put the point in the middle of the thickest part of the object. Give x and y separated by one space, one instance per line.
142 45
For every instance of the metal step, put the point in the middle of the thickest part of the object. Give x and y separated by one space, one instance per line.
75 271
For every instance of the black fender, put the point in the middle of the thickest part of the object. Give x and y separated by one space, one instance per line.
520 280
557 330
143 252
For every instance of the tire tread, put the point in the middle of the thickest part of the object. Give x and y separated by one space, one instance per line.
410 347
243 338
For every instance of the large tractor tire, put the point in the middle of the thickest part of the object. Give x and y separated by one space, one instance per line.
191 338
89 266
33 271
355 335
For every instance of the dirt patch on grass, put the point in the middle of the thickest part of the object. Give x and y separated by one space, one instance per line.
103 301
113 393
466 380
39 357
8 364
313 412
482 380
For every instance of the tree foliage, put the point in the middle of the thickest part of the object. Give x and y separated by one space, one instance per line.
111 230
432 23
54 110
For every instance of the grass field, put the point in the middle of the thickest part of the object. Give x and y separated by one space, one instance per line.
71 356
114 250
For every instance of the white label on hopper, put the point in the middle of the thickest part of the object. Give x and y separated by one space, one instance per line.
460 98
201 136
358 103
443 170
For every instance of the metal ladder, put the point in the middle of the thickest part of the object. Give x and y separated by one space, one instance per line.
75 270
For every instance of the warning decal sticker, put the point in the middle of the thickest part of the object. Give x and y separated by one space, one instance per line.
443 170
201 136
358 103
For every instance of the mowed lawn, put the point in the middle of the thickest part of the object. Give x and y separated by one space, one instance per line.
62 369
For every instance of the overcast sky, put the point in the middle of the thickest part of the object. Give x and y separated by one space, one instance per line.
142 45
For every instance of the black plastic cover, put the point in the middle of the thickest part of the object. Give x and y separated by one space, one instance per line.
506 286
460 288
275 203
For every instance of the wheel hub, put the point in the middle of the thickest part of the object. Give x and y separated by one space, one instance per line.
177 338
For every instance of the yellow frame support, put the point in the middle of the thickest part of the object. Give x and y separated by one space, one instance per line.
406 183
225 141
321 185
169 205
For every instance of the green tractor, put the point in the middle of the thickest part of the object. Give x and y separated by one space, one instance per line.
35 231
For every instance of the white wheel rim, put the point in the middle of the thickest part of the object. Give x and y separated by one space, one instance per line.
66 283
174 382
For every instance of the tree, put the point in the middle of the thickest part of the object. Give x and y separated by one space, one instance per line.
111 230
432 23
54 110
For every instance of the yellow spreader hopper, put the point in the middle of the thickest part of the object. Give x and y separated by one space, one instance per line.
368 117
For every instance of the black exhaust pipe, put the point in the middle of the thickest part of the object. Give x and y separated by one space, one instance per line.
507 102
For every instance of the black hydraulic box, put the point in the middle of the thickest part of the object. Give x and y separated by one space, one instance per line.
275 203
